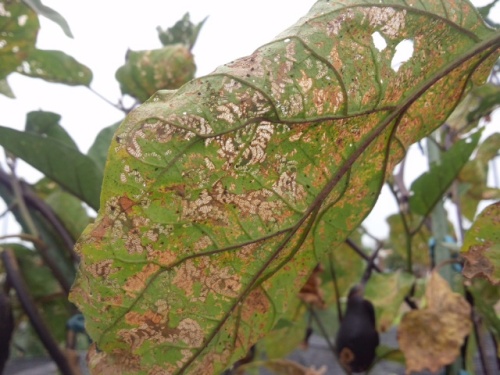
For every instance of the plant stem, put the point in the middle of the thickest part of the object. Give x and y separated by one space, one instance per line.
17 282
18 195
117 106
439 219
40 246
335 287
408 233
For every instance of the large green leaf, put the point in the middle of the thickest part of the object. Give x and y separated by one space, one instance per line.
220 198
74 171
481 248
429 188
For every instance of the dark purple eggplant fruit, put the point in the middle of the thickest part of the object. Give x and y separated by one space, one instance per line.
357 338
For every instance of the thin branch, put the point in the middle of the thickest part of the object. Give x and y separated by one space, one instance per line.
18 195
409 235
117 106
477 334
370 266
404 193
335 287
495 346
327 339
17 282
361 253
24 237
455 197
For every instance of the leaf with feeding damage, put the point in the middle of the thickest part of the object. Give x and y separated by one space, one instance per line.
221 197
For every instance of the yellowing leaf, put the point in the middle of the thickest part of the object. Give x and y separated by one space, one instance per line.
431 337
221 197
481 248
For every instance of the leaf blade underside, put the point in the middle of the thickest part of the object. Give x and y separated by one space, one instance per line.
219 199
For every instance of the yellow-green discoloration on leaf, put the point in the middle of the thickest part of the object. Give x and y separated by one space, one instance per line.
220 198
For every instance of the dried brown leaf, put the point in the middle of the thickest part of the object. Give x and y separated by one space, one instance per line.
431 338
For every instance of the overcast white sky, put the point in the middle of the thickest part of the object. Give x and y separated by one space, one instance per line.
103 32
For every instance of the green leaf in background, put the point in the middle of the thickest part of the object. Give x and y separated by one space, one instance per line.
70 211
184 32
474 177
99 149
49 13
19 28
146 72
47 124
481 248
55 66
220 199
419 242
430 187
5 89
387 293
74 171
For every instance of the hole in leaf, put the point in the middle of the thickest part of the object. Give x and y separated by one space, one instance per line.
404 52
379 41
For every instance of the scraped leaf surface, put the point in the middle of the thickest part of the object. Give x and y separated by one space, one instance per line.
221 197
481 248
431 337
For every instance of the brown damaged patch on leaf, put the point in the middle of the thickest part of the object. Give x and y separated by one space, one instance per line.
153 328
137 282
311 292
479 264
481 248
431 338
119 362
204 272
